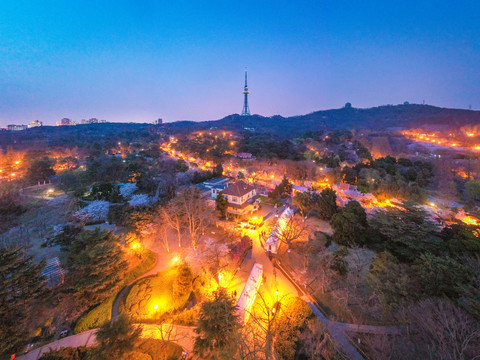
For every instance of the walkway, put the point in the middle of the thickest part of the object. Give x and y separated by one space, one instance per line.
183 336
86 338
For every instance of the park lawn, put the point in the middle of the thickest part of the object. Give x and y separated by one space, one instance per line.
152 296
103 312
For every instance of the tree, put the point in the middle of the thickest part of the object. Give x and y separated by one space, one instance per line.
293 229
391 281
221 203
40 170
181 165
240 175
350 225
304 202
326 203
441 275
96 266
473 188
293 316
21 284
183 283
441 330
116 338
405 231
218 171
218 328
194 210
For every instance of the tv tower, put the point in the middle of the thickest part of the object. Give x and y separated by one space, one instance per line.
246 109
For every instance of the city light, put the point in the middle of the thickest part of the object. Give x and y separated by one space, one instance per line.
155 307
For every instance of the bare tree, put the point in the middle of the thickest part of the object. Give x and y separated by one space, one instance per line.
294 229
195 212
442 330
172 216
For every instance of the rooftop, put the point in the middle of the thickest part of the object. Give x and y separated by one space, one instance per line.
240 188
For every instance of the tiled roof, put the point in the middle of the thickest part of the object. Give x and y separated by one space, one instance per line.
240 188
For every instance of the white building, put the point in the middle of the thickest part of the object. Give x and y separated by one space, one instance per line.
249 292
273 243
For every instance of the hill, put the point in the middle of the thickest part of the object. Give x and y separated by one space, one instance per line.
377 118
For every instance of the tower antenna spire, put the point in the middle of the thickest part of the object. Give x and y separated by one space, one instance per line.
246 109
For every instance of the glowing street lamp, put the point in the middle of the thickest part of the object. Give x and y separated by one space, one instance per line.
155 307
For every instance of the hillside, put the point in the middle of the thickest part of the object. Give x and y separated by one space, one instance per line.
381 117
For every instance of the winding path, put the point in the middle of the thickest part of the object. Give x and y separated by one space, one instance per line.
183 336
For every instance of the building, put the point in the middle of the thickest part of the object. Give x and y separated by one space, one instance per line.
14 127
249 292
53 272
241 198
65 122
159 121
244 156
211 188
35 123
273 243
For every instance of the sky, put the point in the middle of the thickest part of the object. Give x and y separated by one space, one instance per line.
140 60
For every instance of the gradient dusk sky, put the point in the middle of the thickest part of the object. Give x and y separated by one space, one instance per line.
184 60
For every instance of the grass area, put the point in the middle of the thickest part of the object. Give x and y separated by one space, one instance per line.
103 312
152 297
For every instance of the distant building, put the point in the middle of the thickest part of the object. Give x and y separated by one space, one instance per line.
244 156
212 187
102 121
35 123
14 127
241 198
159 121
65 122
93 121
53 272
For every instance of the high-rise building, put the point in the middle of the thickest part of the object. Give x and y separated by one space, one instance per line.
246 109
159 121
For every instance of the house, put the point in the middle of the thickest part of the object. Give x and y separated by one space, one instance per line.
211 188
241 198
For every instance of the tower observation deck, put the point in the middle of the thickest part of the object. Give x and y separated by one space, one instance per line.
246 109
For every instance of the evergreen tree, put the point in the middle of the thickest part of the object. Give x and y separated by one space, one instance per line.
117 338
96 266
218 171
326 203
221 203
20 284
218 328
40 170
183 282
350 225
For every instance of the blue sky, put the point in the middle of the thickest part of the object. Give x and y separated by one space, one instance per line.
140 60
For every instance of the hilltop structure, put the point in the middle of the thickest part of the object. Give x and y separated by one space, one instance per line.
246 109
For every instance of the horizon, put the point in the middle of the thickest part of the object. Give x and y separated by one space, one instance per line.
126 62
237 114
